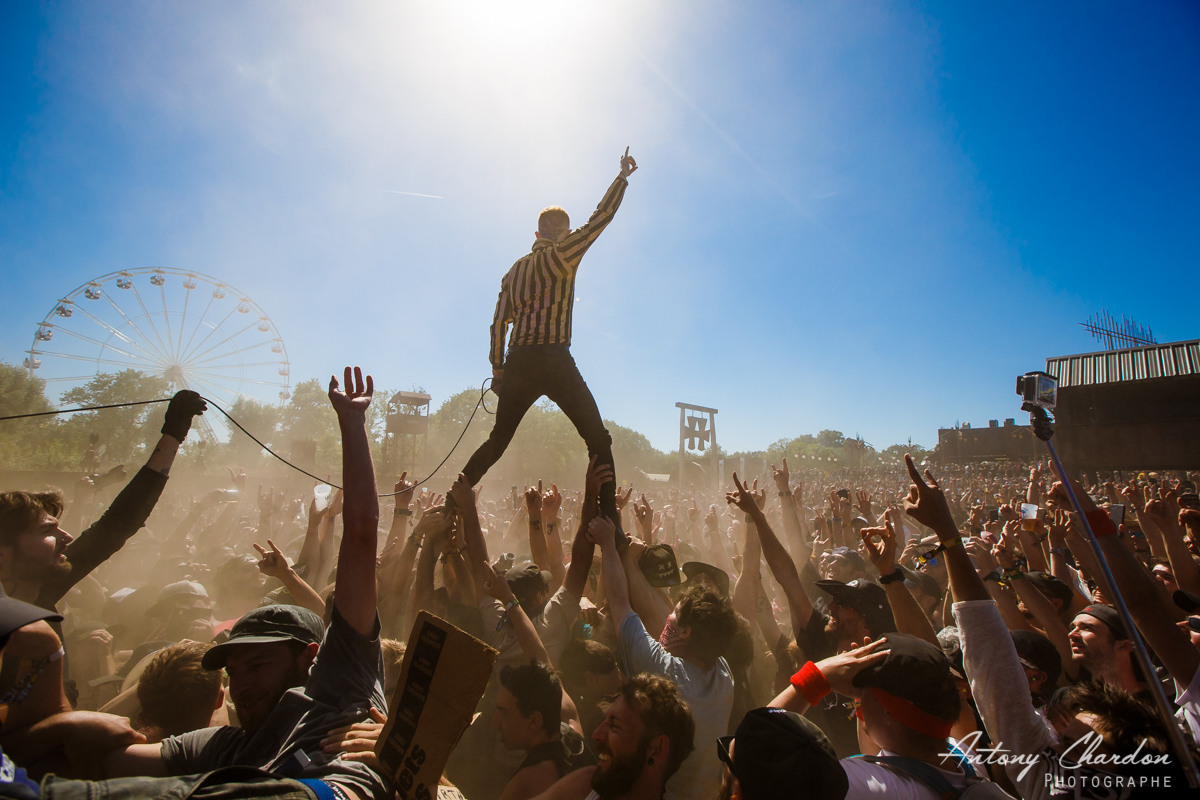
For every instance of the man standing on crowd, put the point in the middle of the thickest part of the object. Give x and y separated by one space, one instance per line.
537 296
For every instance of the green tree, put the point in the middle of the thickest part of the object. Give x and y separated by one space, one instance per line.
122 432
308 433
24 443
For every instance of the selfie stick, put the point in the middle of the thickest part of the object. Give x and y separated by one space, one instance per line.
1043 429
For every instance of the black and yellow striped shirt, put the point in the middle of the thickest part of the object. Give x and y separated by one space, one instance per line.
537 294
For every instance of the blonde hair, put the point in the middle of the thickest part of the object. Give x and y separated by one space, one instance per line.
553 223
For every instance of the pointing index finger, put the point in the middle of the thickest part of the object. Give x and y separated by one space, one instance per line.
912 470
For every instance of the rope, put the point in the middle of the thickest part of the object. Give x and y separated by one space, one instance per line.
483 388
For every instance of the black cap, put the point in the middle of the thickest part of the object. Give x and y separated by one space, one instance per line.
267 625
868 599
1188 601
694 570
657 563
777 751
1109 616
917 671
853 556
1050 586
1037 652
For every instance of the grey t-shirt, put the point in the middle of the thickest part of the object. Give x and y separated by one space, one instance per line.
709 694
346 680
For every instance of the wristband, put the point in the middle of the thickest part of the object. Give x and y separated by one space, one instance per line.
784 493
1100 523
955 542
891 577
992 576
402 512
536 523
1013 574
811 683
1060 551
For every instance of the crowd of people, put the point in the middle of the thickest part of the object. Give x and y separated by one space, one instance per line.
941 632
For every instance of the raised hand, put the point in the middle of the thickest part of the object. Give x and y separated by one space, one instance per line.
864 503
178 419
841 669
462 494
926 502
551 500
354 399
598 474
404 491
880 544
533 502
781 476
628 165
622 498
601 531
272 562
743 497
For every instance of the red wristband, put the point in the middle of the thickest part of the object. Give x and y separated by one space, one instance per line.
1101 523
811 683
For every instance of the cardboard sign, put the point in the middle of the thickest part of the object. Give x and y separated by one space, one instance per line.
445 672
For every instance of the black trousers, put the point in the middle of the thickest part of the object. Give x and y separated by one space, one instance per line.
534 371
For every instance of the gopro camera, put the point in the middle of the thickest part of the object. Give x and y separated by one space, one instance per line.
1037 389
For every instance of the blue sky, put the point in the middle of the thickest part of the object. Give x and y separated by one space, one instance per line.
861 216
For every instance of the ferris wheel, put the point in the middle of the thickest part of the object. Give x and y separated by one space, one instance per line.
191 329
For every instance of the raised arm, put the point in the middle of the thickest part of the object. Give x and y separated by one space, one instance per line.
778 561
880 544
576 243
1137 589
582 549
602 532
273 563
354 592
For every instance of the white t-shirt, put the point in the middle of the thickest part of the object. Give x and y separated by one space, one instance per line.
875 781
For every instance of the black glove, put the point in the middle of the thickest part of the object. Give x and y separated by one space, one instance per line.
183 406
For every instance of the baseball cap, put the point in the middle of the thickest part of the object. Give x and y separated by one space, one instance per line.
868 599
777 750
719 578
658 564
267 625
527 574
923 581
1109 616
1050 586
853 556
1035 651
914 685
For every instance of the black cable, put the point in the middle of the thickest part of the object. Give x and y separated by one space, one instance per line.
483 388
85 408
